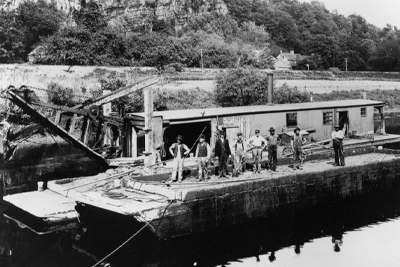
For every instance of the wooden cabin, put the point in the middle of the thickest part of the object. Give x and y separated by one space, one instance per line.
354 116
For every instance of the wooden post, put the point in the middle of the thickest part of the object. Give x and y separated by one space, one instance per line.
148 122
383 130
73 123
106 112
85 130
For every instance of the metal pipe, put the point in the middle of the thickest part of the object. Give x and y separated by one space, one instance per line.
270 88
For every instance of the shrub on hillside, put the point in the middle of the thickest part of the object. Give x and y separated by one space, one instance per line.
60 95
80 46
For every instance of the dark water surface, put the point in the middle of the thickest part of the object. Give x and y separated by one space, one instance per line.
357 232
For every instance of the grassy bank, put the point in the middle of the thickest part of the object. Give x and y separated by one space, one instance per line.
198 84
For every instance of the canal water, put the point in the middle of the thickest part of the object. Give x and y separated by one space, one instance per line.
357 232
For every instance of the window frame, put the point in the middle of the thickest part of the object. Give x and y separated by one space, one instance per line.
363 114
324 116
288 119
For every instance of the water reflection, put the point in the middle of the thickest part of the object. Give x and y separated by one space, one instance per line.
262 240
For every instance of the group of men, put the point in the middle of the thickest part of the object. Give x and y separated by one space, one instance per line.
256 144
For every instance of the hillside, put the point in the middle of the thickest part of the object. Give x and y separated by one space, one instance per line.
208 33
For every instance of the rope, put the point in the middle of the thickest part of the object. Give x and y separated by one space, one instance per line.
47 90
195 142
59 146
124 243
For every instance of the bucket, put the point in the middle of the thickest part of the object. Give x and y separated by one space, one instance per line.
40 186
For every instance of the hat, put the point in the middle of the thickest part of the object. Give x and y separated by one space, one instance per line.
272 129
202 136
239 134
257 131
179 137
337 126
297 128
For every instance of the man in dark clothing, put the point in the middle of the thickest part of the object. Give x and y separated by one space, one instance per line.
297 143
273 141
222 151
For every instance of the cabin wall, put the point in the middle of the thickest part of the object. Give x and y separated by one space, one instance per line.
359 123
306 120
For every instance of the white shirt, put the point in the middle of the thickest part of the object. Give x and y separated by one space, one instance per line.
337 134
257 141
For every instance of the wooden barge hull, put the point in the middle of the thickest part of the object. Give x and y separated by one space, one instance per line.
206 207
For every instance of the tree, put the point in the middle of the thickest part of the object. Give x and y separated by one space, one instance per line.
11 38
245 87
38 19
241 87
89 16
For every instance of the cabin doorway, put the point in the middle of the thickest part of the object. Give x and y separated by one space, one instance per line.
344 121
190 133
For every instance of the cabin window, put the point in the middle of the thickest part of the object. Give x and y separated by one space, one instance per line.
363 112
291 119
327 118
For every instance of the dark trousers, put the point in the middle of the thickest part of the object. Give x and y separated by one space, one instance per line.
338 148
273 156
222 163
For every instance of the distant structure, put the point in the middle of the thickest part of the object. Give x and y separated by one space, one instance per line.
35 54
286 61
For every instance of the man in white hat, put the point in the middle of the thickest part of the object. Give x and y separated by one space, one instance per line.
337 140
257 143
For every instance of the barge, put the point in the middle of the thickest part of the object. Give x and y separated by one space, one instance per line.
134 186
172 210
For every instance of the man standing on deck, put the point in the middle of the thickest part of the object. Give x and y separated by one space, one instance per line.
239 153
178 150
257 143
297 143
222 152
337 140
203 154
273 141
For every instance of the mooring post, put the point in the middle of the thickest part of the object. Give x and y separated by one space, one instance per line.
148 122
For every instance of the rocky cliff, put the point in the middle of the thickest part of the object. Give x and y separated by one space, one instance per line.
176 10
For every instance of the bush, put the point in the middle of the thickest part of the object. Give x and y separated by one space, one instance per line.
287 94
59 95
241 87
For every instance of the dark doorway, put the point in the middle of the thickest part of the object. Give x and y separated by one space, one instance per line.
190 133
344 121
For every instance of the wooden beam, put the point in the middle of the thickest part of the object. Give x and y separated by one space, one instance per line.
58 130
58 117
72 125
123 91
62 108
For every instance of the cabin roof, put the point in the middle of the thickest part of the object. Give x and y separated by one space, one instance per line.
195 114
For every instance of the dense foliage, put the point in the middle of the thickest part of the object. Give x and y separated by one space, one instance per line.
22 29
248 35
244 87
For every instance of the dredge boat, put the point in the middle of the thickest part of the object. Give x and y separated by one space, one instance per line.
133 182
